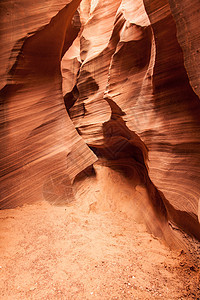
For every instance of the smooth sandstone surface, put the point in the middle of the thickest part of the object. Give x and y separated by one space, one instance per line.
41 152
110 81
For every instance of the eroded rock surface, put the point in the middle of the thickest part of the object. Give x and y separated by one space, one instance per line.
113 81
41 152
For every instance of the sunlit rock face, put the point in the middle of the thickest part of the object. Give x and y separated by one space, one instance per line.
112 82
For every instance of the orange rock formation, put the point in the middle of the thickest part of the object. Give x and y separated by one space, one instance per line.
110 83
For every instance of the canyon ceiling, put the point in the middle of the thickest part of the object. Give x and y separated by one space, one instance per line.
114 83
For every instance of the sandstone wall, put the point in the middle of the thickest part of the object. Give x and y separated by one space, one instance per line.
116 81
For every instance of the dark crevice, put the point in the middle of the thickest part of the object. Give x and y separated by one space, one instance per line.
86 84
88 172
70 98
126 153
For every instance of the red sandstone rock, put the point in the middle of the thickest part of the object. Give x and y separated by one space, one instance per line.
41 152
130 86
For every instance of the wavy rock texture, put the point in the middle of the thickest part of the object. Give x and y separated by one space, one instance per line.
38 141
114 81
187 23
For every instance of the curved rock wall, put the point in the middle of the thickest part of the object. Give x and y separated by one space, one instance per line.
115 81
38 141
186 16
145 75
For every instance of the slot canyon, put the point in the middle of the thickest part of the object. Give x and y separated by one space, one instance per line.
100 149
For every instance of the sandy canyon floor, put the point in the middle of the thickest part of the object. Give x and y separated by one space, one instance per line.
50 252
74 252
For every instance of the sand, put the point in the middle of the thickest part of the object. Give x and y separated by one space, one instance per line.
78 252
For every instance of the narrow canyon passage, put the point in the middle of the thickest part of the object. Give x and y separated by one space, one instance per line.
99 150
